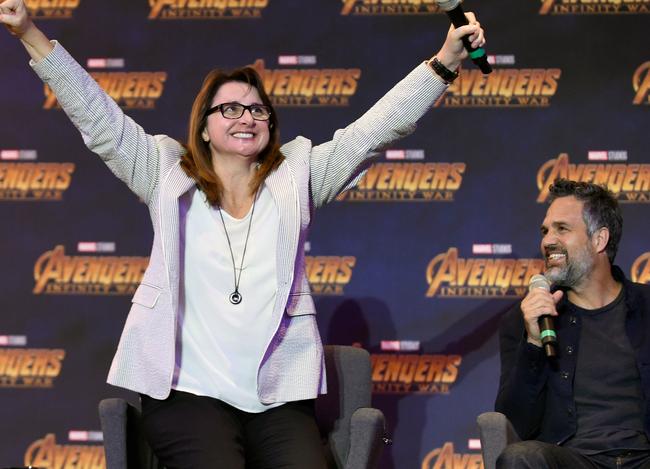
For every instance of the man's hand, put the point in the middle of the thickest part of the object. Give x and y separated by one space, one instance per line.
538 302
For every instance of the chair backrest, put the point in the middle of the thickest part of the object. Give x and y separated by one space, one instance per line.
496 432
124 442
348 389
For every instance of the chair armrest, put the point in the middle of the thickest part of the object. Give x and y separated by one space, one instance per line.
113 417
496 432
367 427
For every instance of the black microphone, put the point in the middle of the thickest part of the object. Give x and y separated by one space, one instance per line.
458 19
546 327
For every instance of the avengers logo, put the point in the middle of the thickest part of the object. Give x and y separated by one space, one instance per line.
447 458
628 182
504 87
411 373
450 276
53 9
407 182
47 454
328 275
641 84
640 271
206 9
130 90
29 368
389 7
35 181
56 273
591 7
309 86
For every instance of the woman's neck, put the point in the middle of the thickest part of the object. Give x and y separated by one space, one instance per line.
236 174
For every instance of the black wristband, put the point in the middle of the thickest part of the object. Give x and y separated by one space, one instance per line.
443 72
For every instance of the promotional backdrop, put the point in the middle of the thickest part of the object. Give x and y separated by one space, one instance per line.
417 264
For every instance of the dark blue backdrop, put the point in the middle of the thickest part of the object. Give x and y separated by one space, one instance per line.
570 94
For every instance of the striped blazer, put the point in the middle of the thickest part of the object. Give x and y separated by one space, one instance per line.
310 176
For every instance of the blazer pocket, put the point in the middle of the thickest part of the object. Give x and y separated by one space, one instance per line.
146 295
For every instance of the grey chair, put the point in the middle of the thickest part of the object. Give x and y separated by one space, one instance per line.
496 432
352 431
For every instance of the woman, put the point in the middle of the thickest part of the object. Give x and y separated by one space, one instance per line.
221 341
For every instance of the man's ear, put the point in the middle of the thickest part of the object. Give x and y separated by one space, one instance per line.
600 239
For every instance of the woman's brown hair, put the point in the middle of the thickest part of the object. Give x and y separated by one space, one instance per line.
197 160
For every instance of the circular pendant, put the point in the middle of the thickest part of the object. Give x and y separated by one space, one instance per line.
235 298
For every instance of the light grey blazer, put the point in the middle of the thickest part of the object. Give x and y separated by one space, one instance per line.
310 176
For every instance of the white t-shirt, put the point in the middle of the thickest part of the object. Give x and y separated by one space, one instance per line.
222 344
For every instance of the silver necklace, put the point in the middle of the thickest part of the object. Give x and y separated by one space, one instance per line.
235 297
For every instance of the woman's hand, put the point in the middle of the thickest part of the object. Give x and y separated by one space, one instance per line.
13 14
453 52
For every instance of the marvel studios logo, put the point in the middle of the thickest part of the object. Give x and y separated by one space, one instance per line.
492 249
85 435
20 155
416 154
501 59
13 340
99 62
96 246
297 60
609 155
400 345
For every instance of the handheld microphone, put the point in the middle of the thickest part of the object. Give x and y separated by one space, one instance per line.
546 327
457 16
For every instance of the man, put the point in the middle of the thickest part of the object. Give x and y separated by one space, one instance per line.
587 406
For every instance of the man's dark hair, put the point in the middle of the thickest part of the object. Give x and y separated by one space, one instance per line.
600 209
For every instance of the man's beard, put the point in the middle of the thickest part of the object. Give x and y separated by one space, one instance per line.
573 271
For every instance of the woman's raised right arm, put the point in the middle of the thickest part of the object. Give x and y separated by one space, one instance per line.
130 153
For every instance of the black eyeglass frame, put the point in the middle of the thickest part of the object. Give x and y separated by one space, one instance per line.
219 107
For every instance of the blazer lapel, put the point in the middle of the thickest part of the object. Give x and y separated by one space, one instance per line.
174 185
283 188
